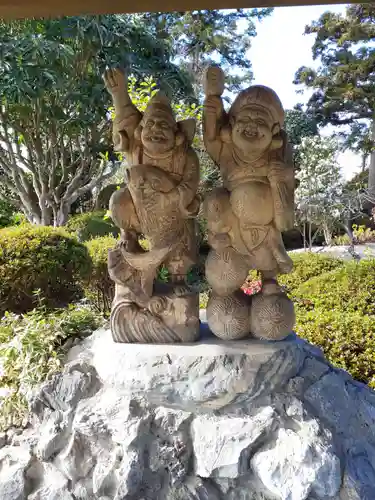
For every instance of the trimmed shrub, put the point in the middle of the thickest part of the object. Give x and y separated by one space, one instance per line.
349 288
347 339
32 348
98 287
308 265
91 225
40 264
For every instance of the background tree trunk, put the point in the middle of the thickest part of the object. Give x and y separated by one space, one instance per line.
371 170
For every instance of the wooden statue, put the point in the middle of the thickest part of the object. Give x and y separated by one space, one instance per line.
160 202
246 216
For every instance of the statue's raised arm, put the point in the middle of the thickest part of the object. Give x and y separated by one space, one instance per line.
214 116
282 180
127 116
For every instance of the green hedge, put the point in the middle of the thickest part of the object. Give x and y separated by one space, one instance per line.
347 339
335 310
40 264
91 225
350 288
308 265
98 286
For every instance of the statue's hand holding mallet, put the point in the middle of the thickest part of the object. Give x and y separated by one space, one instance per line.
116 82
214 82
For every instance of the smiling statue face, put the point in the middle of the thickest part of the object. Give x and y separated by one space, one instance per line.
158 134
252 131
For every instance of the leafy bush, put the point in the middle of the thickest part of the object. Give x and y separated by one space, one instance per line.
43 259
98 286
361 234
342 240
6 213
308 265
336 311
350 288
32 348
347 339
91 225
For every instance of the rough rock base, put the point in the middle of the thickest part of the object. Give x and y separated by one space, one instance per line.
210 421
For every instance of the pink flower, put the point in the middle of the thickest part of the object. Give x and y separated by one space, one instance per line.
252 288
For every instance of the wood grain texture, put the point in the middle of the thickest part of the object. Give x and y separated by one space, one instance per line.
12 9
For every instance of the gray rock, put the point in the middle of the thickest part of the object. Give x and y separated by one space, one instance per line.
244 420
129 475
3 439
103 475
65 390
76 459
189 377
53 434
222 445
343 405
359 479
170 449
194 489
13 463
298 463
52 484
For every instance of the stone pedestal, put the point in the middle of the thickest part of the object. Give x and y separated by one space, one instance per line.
246 420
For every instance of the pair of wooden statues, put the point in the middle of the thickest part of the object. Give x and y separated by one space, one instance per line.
245 217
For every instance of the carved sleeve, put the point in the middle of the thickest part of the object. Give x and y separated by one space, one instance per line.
281 177
127 118
188 187
214 118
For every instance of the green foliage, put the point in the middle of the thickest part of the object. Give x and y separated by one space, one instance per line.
203 300
98 287
343 86
361 235
91 225
7 211
163 274
349 288
42 259
358 182
199 37
104 196
32 348
56 107
335 310
347 339
299 125
319 198
307 265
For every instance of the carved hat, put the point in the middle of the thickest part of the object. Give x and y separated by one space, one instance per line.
264 97
160 104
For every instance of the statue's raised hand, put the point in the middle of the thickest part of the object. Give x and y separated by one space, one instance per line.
214 81
116 81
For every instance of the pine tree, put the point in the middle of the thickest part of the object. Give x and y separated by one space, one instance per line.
202 37
344 85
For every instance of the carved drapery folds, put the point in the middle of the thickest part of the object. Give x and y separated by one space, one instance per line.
160 202
245 217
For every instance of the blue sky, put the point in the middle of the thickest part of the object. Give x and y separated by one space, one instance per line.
280 48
